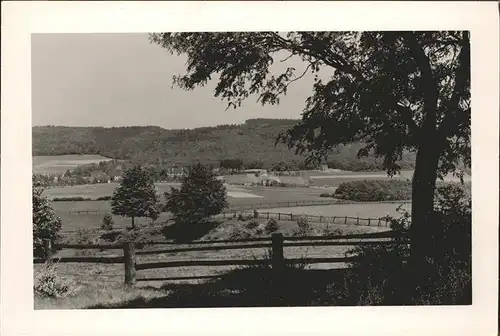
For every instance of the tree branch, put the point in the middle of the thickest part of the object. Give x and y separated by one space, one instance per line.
463 72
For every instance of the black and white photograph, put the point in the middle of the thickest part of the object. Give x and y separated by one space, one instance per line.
252 168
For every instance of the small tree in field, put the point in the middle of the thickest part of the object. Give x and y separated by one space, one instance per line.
46 224
136 195
200 196
107 222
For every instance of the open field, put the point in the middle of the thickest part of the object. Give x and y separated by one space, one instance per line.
335 178
350 210
55 164
94 191
247 197
237 196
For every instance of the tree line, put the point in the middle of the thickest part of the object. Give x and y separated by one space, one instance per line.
252 142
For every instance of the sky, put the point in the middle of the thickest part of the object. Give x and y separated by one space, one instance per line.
124 80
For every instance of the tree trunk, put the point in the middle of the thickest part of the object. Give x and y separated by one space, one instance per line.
423 188
133 223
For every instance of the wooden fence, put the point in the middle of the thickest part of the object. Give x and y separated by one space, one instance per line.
277 242
334 220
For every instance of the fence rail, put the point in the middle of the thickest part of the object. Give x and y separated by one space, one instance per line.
276 243
338 220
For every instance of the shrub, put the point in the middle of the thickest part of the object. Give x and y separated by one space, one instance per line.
49 284
104 198
259 231
329 232
252 224
381 275
271 226
238 233
244 217
304 228
83 237
326 195
374 190
70 199
107 222
46 224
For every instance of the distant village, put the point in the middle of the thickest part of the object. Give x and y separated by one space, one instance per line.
112 172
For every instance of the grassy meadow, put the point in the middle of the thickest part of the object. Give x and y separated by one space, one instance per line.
97 284
374 210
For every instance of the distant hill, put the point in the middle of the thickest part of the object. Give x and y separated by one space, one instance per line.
253 141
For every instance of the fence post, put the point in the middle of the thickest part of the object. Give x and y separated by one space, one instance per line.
47 247
268 215
369 221
379 222
291 216
279 215
345 220
129 259
277 251
333 221
357 221
320 217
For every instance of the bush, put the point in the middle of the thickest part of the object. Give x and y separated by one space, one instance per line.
238 233
271 226
374 190
326 195
71 199
83 237
381 275
49 284
304 229
252 224
46 224
107 222
104 198
329 232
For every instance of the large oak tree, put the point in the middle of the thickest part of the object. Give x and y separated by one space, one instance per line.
392 91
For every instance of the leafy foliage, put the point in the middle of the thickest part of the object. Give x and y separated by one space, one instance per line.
200 196
46 223
271 226
50 284
107 222
381 276
303 227
374 190
136 196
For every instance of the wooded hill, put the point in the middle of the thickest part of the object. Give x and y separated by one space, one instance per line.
252 142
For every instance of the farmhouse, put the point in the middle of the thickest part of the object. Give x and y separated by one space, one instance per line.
247 179
267 180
